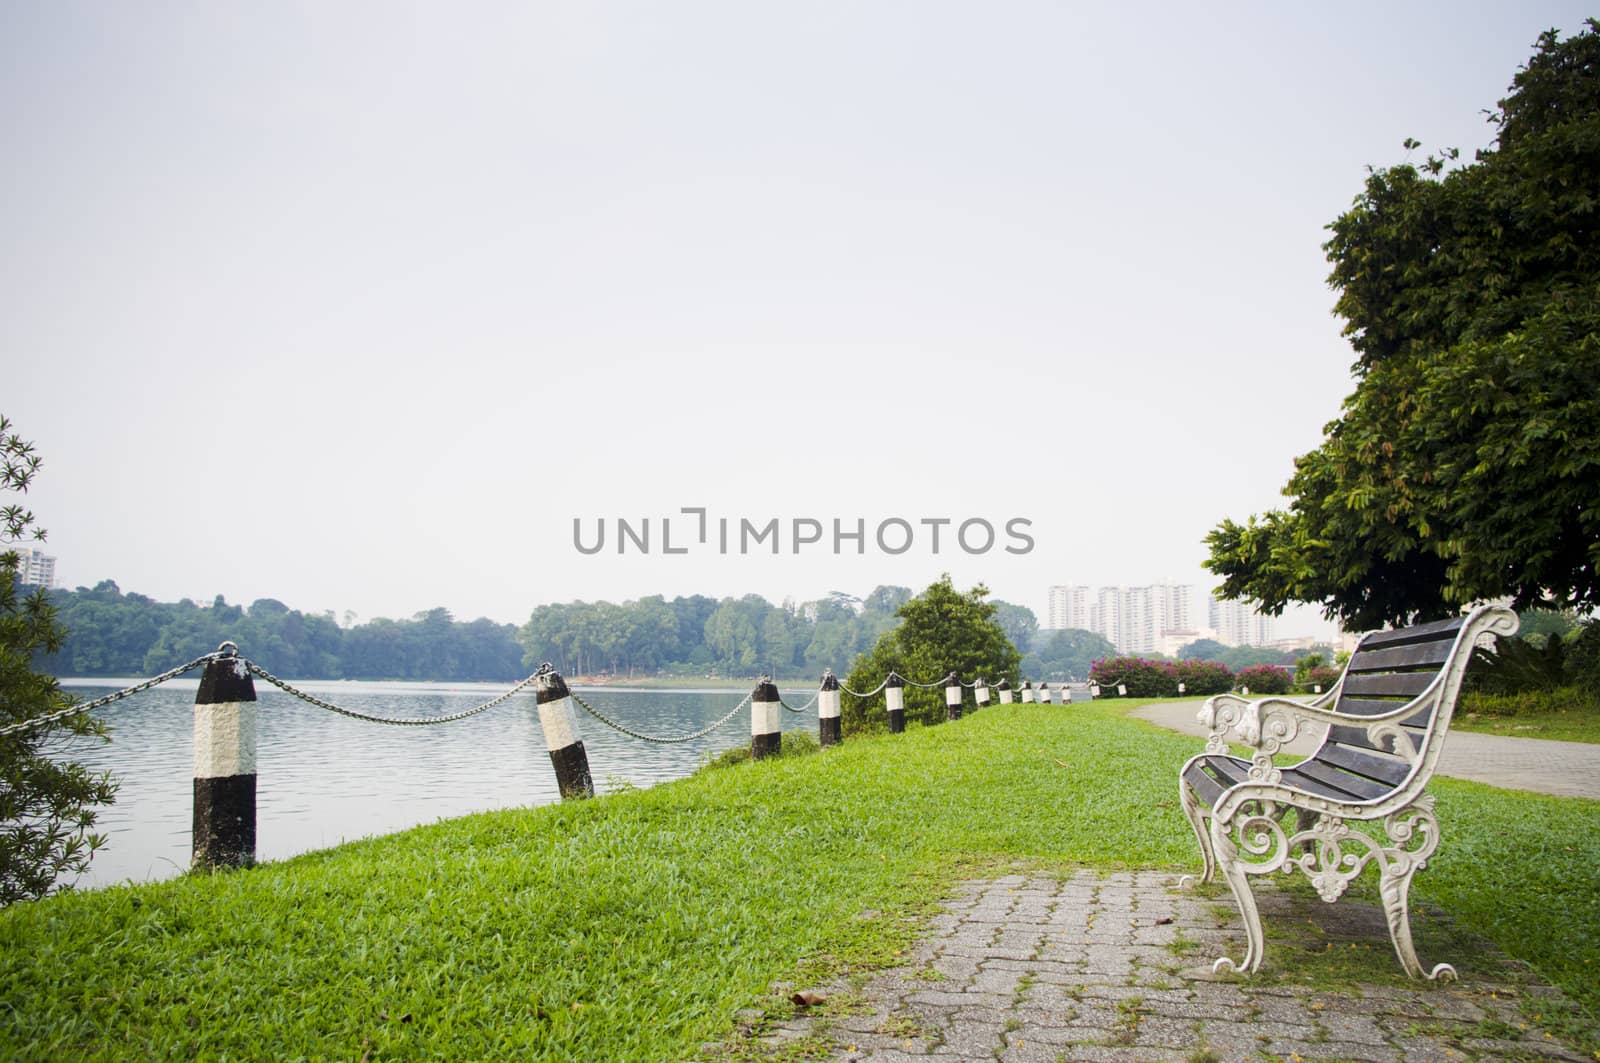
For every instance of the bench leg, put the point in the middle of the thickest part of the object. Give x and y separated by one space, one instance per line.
1235 874
1394 885
1199 819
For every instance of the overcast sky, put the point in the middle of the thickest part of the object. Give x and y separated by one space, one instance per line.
360 306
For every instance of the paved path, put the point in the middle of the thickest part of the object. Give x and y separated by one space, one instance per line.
1566 769
1035 969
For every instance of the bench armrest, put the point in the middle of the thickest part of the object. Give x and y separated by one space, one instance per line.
1219 715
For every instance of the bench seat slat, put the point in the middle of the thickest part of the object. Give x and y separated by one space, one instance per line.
1327 781
1419 655
1393 684
1383 769
1357 736
1368 706
1203 776
1417 633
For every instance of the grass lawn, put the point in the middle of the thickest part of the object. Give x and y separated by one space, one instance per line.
636 926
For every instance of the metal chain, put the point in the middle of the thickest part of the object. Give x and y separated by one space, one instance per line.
90 706
415 721
868 694
615 726
925 686
802 708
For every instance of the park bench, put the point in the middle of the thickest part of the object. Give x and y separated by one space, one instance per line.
1359 799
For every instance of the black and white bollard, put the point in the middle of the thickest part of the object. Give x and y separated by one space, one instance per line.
765 736
560 723
1044 693
1027 692
980 693
828 732
952 697
1005 691
894 696
225 764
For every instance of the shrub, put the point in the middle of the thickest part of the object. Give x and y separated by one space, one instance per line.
790 744
1317 677
1204 677
1144 679
1265 679
1528 703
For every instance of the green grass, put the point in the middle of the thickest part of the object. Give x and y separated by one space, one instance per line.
637 926
1566 714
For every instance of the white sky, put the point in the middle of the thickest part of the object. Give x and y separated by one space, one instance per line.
358 306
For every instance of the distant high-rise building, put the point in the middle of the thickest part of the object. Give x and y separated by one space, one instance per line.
1136 619
34 568
1069 607
1238 623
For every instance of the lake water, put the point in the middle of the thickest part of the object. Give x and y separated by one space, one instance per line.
323 779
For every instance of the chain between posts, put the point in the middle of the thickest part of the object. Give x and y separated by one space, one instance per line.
415 721
615 726
802 708
101 702
868 694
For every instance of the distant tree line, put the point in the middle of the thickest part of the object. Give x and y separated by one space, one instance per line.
701 636
115 633
110 633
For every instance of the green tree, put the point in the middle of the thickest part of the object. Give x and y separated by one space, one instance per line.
47 804
1466 464
1018 622
1203 650
940 631
1066 653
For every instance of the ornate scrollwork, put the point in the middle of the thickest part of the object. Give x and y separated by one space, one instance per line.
1218 716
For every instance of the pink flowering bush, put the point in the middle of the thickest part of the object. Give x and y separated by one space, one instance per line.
1144 679
1205 677
1265 679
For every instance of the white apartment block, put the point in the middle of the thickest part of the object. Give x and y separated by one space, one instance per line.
34 568
1134 619
1238 624
1069 607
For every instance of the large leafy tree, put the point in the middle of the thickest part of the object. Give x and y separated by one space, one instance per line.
940 631
47 802
1466 464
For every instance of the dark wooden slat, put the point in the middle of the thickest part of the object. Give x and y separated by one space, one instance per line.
1366 707
1212 775
1385 769
1344 785
1204 786
1401 636
1424 653
1397 684
1357 736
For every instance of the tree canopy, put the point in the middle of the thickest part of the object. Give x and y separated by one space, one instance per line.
941 630
1466 463
47 801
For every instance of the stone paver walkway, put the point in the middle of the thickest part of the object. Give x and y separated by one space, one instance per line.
1035 969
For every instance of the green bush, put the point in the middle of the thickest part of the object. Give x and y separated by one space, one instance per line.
1529 703
1582 665
1317 677
792 744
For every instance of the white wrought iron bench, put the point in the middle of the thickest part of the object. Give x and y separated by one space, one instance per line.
1386 721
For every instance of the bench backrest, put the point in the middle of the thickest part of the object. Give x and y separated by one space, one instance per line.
1389 670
